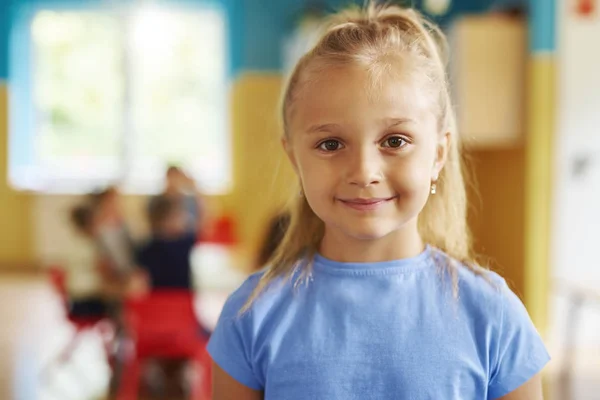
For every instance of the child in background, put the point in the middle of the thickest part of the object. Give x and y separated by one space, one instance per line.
179 186
113 239
166 256
93 292
374 293
165 259
83 281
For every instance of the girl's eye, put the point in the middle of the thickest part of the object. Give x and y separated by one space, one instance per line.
394 142
330 145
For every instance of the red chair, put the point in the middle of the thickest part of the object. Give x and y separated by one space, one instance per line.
101 324
163 324
222 231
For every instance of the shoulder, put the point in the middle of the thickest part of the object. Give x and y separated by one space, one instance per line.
480 290
239 336
481 282
274 293
236 301
503 327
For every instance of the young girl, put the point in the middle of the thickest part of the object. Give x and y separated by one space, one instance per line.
112 236
373 293
86 289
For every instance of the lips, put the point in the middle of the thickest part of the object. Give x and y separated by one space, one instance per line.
367 204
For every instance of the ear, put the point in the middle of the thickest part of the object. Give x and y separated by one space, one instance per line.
441 155
287 146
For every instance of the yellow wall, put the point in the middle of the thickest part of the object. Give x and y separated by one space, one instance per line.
510 216
539 166
497 211
262 176
15 217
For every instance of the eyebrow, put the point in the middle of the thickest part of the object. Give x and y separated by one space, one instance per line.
389 122
323 128
398 121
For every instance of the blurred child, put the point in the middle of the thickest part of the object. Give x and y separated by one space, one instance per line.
166 260
112 236
166 256
103 270
83 281
181 187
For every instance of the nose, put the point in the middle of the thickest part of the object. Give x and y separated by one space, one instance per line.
364 168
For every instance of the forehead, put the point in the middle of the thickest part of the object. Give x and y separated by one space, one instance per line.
355 95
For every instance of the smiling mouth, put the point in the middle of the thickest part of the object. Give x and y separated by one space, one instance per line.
367 204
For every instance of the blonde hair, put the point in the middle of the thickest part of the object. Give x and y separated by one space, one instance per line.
373 37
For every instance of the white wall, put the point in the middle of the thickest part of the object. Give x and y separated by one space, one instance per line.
576 216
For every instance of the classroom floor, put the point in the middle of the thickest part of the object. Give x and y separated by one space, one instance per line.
33 333
34 330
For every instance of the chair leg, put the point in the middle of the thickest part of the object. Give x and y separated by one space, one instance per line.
108 336
202 382
119 351
129 380
129 384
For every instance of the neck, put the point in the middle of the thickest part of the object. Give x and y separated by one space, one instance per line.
402 243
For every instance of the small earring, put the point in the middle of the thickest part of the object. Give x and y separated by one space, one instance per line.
433 188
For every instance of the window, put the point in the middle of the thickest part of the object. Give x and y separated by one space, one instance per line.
116 97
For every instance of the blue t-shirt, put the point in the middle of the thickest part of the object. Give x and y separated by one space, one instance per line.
388 330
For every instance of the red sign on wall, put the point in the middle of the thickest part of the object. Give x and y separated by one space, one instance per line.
585 8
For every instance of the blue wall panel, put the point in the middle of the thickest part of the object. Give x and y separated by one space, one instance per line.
542 28
257 28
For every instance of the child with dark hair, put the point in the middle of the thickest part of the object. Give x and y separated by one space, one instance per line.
166 256
181 187
95 288
112 236
83 281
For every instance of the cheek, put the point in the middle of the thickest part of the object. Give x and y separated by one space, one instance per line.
411 176
314 174
318 180
317 184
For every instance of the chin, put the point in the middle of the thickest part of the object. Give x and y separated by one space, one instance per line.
369 233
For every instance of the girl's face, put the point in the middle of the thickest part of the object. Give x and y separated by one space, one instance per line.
366 155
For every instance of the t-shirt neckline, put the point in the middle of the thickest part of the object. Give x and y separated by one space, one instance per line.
403 265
